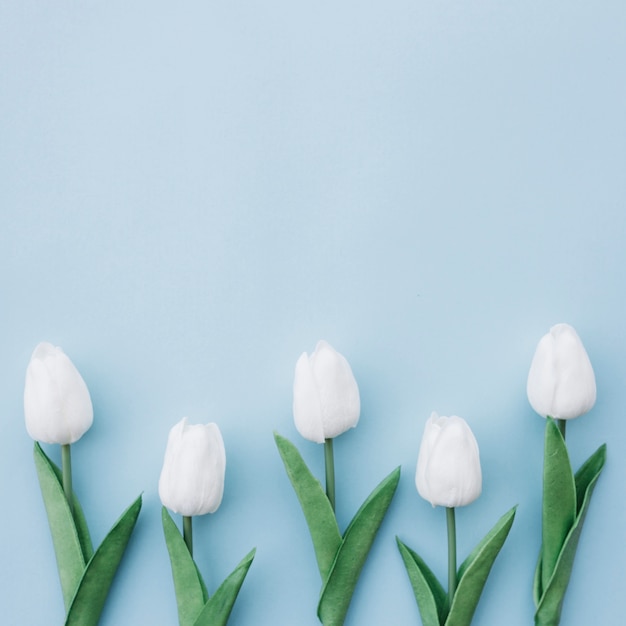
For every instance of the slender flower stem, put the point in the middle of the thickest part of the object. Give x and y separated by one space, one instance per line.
188 533
561 424
330 471
450 519
66 466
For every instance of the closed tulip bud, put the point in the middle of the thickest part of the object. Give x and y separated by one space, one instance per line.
57 405
561 382
326 399
448 466
192 478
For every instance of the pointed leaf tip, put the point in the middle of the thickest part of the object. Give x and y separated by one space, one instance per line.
189 587
429 594
550 593
317 510
352 553
475 570
219 607
68 547
97 578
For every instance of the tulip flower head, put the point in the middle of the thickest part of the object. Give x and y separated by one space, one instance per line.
192 478
448 465
561 382
57 404
326 398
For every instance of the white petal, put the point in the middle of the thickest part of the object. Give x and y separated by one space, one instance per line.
541 384
452 473
431 432
192 478
561 382
576 385
338 390
57 405
307 411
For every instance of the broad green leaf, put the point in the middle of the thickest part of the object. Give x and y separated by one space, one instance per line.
217 610
474 572
430 595
589 473
559 499
188 585
79 517
96 580
67 545
355 546
551 601
317 510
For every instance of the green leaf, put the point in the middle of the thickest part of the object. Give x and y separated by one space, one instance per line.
67 544
190 590
430 596
588 473
317 510
98 575
559 499
79 517
551 599
357 541
474 571
217 610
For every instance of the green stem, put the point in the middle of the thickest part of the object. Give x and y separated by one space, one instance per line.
188 533
329 460
561 424
66 467
450 519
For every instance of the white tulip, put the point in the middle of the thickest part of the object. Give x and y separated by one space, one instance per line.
192 478
326 398
57 405
448 466
561 382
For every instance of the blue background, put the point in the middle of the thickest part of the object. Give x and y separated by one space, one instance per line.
194 193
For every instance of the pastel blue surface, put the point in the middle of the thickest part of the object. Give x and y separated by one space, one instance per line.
192 194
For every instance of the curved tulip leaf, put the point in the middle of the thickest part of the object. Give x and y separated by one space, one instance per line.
67 544
94 585
315 506
357 541
551 596
191 594
79 516
587 475
218 608
430 595
559 498
474 572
